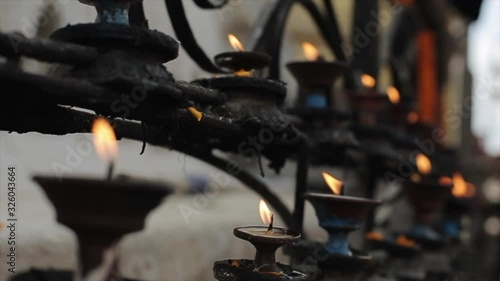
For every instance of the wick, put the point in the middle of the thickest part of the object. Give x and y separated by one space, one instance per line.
110 170
270 228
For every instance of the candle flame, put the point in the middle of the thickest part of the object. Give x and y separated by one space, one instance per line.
405 241
265 213
243 73
374 235
235 42
412 117
424 165
104 139
461 188
368 81
445 181
334 184
393 94
310 51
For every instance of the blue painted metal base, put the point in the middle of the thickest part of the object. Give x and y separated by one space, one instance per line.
422 231
338 229
112 11
451 228
337 243
316 100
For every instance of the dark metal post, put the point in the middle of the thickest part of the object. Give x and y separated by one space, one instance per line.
301 187
365 37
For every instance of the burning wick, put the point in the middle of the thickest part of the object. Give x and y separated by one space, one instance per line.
270 228
266 216
105 143
111 167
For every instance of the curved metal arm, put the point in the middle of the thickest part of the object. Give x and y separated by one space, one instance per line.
251 181
184 34
270 41
68 121
332 22
207 4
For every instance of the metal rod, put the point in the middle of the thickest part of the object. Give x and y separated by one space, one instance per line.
301 187
16 44
66 121
182 29
366 55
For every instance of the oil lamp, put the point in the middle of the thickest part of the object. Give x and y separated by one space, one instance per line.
241 62
248 99
314 106
426 192
266 240
368 105
315 78
339 214
100 211
402 114
457 205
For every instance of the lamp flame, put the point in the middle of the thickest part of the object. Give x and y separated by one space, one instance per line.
235 42
104 139
310 51
393 94
461 188
334 184
424 165
405 241
412 117
445 181
368 81
265 214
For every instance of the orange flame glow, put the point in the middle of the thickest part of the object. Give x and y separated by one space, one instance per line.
445 181
424 165
368 81
235 42
405 241
461 188
334 184
310 51
412 117
393 95
265 213
374 235
104 139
